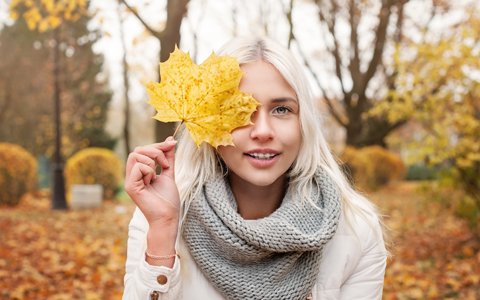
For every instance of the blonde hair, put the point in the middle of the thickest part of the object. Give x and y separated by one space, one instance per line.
194 166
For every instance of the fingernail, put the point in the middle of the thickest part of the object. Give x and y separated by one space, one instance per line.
170 138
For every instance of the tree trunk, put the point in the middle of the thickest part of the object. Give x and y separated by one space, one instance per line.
350 106
126 85
168 38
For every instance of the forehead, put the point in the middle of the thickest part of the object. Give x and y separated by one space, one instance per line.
262 79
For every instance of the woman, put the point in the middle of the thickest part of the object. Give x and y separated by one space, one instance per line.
269 218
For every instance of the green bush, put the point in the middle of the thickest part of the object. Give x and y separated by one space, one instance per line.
18 173
421 172
95 166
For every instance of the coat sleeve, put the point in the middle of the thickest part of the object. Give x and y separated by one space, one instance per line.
366 280
141 278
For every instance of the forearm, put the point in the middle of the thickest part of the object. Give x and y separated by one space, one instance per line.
142 277
161 240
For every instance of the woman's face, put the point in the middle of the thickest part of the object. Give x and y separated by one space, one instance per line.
264 151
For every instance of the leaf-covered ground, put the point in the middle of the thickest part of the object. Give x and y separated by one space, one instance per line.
56 255
434 253
46 254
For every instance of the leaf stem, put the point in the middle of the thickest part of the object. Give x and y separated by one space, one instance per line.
176 129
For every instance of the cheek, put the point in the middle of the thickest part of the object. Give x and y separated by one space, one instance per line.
291 134
227 153
239 134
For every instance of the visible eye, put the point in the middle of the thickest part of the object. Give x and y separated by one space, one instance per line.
282 110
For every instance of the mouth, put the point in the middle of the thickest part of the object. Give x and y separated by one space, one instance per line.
262 154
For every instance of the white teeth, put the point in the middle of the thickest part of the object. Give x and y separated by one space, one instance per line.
262 155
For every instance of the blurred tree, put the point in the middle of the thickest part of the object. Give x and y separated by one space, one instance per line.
359 37
85 94
73 69
126 82
356 34
438 86
17 95
168 37
42 16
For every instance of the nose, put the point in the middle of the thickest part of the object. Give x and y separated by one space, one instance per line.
262 128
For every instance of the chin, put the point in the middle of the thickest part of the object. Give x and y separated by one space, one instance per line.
263 180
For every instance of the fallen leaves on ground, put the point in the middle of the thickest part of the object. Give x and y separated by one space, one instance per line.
434 253
56 255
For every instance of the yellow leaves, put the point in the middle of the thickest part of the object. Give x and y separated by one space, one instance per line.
18 173
437 86
82 250
32 17
434 255
44 15
205 97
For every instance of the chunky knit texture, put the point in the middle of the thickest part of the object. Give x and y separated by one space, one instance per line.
276 257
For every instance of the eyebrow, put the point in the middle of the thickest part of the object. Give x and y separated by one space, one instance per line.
284 99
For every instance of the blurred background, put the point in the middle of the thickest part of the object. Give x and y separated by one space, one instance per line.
397 85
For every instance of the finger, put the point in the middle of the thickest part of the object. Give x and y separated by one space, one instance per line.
165 148
136 179
170 157
167 145
136 157
153 152
147 179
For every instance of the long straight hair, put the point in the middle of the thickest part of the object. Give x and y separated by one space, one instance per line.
194 165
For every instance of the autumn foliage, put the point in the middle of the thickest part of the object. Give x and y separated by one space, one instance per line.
53 255
95 166
435 254
372 167
18 173
205 97
80 254
47 14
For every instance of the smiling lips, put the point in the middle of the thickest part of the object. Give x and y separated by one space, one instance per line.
262 157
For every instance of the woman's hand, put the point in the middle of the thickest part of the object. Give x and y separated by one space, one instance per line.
156 195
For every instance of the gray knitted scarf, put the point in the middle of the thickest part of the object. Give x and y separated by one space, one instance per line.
276 257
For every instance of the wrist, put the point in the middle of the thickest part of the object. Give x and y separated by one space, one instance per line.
161 238
166 226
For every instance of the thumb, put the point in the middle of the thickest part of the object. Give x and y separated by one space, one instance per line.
170 156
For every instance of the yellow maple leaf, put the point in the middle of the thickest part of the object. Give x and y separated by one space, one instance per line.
205 97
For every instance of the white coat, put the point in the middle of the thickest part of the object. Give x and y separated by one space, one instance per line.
352 267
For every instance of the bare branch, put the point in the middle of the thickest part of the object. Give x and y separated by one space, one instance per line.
335 51
135 13
288 13
380 38
398 37
337 116
354 65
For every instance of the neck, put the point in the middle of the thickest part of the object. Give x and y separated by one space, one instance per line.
255 202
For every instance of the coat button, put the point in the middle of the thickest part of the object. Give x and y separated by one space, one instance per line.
162 279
